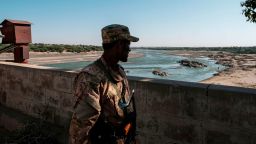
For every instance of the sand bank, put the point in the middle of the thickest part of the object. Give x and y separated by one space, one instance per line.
41 58
240 71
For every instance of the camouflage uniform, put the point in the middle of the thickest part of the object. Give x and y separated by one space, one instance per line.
98 91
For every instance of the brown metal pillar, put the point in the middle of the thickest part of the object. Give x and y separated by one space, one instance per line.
21 53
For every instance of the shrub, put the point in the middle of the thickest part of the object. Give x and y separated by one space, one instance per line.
60 48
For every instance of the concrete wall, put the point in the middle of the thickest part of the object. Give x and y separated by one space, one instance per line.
170 112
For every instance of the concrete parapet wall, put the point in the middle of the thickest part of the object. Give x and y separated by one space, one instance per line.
168 111
37 91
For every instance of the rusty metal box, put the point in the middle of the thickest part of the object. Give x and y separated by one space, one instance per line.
16 32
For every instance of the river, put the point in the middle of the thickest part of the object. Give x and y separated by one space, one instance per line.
159 60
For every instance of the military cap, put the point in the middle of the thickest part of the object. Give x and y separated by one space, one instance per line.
116 32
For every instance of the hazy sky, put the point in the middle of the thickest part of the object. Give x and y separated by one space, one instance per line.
155 22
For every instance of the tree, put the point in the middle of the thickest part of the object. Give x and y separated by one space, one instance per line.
249 10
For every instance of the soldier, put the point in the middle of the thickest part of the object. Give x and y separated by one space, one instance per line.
101 91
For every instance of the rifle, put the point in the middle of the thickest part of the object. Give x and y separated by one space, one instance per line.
129 127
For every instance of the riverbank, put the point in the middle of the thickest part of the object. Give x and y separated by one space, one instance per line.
42 58
240 71
240 68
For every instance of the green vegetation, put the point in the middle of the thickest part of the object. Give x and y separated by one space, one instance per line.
235 50
3 45
39 47
85 48
249 10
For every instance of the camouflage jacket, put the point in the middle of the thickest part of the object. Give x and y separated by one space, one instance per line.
98 90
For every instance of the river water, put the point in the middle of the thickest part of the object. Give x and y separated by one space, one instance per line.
159 60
